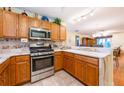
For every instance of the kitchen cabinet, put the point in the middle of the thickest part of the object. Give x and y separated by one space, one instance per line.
58 64
62 33
23 26
34 22
46 25
54 32
83 68
80 70
22 69
69 63
1 80
92 74
15 71
5 74
69 66
10 24
12 71
1 22
58 32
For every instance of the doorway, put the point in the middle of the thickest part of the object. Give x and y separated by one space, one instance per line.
77 40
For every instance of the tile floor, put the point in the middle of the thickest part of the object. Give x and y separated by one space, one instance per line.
60 78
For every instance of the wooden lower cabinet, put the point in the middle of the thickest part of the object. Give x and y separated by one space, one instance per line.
1 80
5 75
80 70
15 71
12 71
92 74
12 75
22 70
58 61
69 65
83 68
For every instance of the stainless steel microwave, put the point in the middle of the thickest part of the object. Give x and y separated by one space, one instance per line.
37 33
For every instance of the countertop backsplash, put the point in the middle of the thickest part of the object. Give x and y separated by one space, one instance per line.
12 44
17 44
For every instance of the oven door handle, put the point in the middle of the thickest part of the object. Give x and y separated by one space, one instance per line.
41 57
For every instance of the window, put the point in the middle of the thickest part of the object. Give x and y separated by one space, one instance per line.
105 42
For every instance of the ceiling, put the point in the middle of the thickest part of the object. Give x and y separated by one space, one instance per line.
104 18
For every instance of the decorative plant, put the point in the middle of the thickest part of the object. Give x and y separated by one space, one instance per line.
57 21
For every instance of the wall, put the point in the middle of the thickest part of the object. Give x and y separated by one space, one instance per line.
71 38
118 40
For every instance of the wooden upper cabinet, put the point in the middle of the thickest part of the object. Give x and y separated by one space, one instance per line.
1 23
34 22
10 24
55 32
23 26
46 25
92 76
62 34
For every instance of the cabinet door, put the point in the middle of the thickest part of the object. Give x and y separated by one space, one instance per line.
92 74
33 22
80 70
62 33
58 61
12 74
6 76
10 24
1 80
71 66
22 72
12 71
45 25
23 26
55 32
65 63
1 23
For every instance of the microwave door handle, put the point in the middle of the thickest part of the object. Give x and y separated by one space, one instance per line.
41 57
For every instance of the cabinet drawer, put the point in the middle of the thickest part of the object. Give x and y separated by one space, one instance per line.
22 58
91 60
67 54
12 60
58 53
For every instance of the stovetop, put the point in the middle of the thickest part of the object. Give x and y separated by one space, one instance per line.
40 50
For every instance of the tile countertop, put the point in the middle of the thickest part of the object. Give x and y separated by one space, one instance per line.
13 52
86 53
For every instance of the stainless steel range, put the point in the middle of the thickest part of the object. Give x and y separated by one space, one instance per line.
42 62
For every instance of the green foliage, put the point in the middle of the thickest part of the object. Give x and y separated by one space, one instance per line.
57 21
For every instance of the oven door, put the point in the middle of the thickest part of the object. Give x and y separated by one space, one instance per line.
42 64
